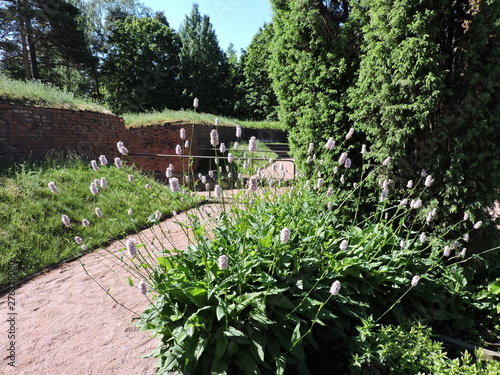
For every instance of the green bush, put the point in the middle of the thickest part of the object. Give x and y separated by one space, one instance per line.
410 349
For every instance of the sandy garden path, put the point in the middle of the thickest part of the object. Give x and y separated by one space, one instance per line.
67 325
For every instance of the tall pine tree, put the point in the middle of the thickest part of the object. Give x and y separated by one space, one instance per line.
43 40
204 65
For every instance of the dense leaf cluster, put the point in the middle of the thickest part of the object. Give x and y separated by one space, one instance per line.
418 81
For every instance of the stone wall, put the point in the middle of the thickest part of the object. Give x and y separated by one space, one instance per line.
31 132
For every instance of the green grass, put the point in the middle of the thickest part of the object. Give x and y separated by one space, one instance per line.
44 95
187 117
31 231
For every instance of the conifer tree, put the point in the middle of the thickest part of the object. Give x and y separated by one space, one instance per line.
203 64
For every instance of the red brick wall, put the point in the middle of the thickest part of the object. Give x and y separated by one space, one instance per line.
31 132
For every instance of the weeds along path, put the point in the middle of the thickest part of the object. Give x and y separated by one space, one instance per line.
67 325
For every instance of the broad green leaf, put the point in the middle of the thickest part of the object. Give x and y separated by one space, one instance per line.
233 332
247 364
494 287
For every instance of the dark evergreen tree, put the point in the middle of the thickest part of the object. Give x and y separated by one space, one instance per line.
313 62
259 101
37 44
140 72
428 93
204 65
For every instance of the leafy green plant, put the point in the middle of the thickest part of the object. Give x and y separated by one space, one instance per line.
410 349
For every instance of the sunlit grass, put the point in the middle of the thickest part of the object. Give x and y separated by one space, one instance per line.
31 231
44 95
187 117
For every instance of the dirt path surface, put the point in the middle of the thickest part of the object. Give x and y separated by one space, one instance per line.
65 324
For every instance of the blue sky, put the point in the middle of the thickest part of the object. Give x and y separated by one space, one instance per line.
234 21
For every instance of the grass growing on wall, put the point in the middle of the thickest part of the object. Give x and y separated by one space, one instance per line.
40 94
170 116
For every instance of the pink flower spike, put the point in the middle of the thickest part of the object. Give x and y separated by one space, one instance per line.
53 187
85 222
118 163
330 144
335 288
285 235
222 262
196 103
415 280
65 220
131 247
103 160
94 165
183 133
143 287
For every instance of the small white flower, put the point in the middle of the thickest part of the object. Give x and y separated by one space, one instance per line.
428 181
415 280
466 237
422 237
335 288
478 224
98 212
196 103
319 184
222 262
409 185
130 211
310 149
78 240
183 133
423 173
103 160
131 247
329 192
403 202
217 191
349 134
384 195
363 149
214 138
466 216
118 163
95 167
463 252
143 287
65 220
386 161
178 150
186 144
252 144
157 215
93 188
343 245
103 183
342 158
85 222
285 235
238 131
174 184
446 251
217 121
222 148
330 144
169 173
53 187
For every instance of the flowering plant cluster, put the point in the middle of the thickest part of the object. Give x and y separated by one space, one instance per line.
277 276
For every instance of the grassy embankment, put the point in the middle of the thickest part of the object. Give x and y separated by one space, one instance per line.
32 235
